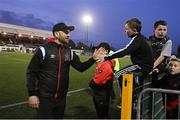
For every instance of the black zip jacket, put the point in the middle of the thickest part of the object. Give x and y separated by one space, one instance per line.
140 52
49 77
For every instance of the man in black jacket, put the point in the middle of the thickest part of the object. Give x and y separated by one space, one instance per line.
138 48
48 73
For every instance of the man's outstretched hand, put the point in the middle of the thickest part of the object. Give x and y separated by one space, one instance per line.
99 54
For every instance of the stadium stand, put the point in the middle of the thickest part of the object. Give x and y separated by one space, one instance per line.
20 38
24 39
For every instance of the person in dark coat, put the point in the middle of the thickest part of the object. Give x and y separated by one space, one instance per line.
138 48
48 73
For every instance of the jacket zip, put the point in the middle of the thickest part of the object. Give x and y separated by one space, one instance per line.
59 72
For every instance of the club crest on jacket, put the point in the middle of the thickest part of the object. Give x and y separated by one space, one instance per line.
52 56
67 57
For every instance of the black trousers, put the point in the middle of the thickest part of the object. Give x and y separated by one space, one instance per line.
101 102
50 108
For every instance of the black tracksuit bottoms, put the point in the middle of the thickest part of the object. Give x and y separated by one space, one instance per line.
51 108
101 102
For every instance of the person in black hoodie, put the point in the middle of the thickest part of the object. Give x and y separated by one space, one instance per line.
138 48
48 73
171 81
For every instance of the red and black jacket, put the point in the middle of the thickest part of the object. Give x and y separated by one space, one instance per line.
103 76
171 82
49 77
104 72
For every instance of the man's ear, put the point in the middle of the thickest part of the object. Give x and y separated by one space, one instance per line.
56 34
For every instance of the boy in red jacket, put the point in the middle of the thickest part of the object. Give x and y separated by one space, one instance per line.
101 84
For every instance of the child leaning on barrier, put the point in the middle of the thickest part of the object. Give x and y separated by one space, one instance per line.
172 81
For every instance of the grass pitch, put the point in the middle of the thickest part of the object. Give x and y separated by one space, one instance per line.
13 89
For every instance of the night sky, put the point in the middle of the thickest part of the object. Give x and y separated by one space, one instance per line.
108 17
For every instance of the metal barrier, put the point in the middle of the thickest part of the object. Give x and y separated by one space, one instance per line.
132 84
159 90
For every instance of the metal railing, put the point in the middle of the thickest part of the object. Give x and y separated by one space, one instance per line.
166 91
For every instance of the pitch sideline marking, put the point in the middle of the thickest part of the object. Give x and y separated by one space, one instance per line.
24 102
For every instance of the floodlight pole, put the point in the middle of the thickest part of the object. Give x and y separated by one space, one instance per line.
87 20
87 31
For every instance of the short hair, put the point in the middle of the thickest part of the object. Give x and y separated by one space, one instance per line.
160 22
104 45
173 58
134 23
